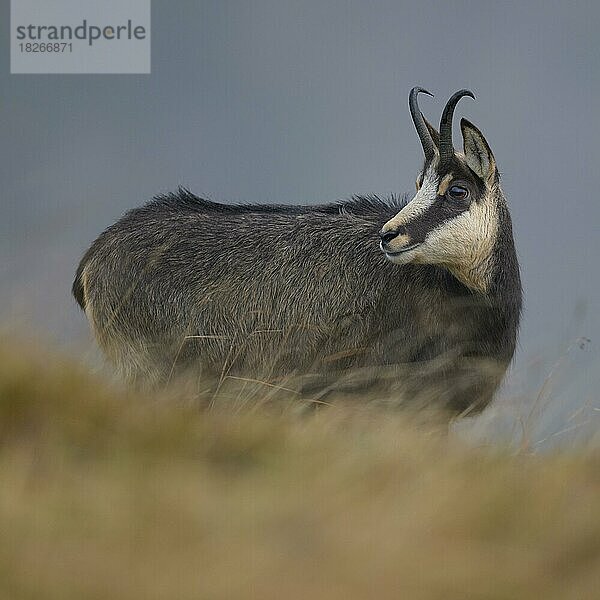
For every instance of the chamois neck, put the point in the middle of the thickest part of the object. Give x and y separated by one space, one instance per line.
478 275
493 268
504 283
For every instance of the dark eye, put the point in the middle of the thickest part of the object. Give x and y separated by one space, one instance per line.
457 192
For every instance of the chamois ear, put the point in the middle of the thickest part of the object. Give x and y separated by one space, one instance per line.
478 154
435 136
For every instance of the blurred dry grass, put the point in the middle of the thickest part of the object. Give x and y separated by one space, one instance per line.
108 494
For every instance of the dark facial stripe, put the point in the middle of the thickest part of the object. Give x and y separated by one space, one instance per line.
440 211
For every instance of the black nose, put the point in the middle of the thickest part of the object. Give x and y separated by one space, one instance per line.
388 236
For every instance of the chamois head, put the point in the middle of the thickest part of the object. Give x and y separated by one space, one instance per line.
453 219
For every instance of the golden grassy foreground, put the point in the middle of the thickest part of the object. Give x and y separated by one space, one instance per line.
110 495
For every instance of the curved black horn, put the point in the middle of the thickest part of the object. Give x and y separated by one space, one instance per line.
419 121
446 147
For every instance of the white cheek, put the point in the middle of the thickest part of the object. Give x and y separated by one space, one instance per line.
465 239
451 239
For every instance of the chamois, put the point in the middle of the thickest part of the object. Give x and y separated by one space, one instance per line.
421 296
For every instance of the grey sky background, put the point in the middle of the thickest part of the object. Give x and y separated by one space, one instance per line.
306 102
